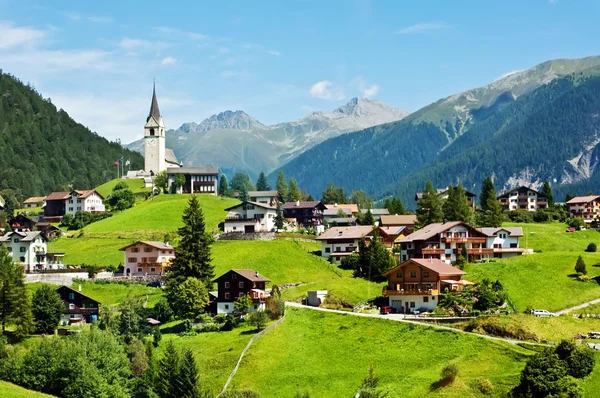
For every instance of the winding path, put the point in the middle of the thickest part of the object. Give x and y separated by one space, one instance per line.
577 307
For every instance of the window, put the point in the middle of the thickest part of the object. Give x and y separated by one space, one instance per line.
22 259
151 131
425 274
227 285
22 249
413 274
71 296
144 259
399 275
16 240
327 250
337 258
425 299
412 304
227 296
71 306
241 284
140 270
226 306
432 298
240 294
234 276
70 209
148 249
152 269
132 260
135 250
234 228
9 249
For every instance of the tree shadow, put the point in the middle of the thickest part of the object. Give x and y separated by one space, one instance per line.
246 332
439 384
177 328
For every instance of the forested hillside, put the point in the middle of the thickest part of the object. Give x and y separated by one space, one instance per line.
43 150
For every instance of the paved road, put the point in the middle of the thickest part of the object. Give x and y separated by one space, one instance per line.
399 318
577 307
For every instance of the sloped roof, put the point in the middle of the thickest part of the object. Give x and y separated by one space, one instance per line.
155 244
404 219
249 274
58 196
348 206
263 205
355 232
582 199
35 199
519 188
25 236
170 156
377 212
392 230
434 264
67 288
434 229
512 231
86 192
154 111
333 212
192 170
303 205
263 193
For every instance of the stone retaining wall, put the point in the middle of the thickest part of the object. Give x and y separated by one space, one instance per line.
247 236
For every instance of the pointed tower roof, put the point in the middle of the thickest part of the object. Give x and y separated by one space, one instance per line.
154 111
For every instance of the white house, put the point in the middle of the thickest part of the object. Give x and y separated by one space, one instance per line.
339 242
504 241
147 258
34 202
248 217
523 198
26 248
268 197
197 179
84 200
585 207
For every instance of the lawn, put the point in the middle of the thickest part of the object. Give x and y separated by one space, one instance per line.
94 251
13 391
135 184
543 280
327 355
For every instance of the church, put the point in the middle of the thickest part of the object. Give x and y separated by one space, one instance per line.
157 158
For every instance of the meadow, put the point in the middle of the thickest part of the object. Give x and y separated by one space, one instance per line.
9 390
135 184
545 279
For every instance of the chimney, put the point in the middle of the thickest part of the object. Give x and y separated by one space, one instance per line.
430 259
335 205
256 274
297 203
79 288
445 221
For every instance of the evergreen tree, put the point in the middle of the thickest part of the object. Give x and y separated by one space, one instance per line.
456 207
262 184
366 218
488 192
397 207
168 384
192 256
547 190
281 186
294 192
388 205
243 193
188 376
241 181
223 186
491 211
332 195
130 319
47 309
279 217
429 207
580 267
15 306
310 198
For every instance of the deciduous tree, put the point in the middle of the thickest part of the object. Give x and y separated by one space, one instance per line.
161 181
188 298
179 181
243 304
47 309
15 306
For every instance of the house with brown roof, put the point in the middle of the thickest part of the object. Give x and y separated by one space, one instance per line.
266 197
443 194
60 203
56 206
523 198
249 217
339 217
351 208
34 202
307 214
504 241
239 282
21 222
408 221
78 308
445 242
416 284
585 207
340 242
147 258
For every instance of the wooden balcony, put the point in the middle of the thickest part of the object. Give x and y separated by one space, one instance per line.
432 251
418 292
480 250
464 239
154 264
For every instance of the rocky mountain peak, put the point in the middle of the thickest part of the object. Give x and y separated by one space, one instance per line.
235 120
364 107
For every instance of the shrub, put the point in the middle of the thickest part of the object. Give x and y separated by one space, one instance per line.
208 327
494 327
258 319
484 386
583 278
580 266
335 303
576 223
541 216
591 248
240 394
449 373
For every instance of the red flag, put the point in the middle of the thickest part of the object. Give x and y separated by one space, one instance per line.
116 162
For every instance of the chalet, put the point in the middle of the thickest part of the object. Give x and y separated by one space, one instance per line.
523 198
308 214
237 283
445 241
377 213
266 197
197 179
147 258
84 200
56 206
416 284
248 217
443 194
408 221
22 223
79 308
504 241
349 208
49 231
26 248
339 242
34 202
585 207
390 236
339 217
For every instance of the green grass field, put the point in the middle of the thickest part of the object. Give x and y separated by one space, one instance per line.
135 184
327 355
8 390
542 280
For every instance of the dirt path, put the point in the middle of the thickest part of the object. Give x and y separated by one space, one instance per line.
577 307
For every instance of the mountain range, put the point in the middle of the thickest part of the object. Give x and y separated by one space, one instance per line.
235 141
525 128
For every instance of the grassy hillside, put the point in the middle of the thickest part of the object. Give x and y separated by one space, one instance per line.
542 280
135 184
10 390
328 354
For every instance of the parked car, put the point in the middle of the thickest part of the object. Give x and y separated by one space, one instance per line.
386 309
155 284
542 313
571 229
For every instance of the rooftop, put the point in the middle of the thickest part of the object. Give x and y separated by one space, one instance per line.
431 230
263 193
302 205
436 265
249 274
351 206
355 232
263 205
35 199
512 231
58 196
405 219
582 199
193 170
522 187
156 244
25 236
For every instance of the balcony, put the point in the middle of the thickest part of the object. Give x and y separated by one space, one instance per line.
432 251
464 239
480 250
417 292
153 264
509 250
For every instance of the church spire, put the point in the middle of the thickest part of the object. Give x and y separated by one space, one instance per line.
154 111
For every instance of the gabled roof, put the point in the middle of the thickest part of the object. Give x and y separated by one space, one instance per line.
249 274
346 206
433 264
192 170
392 230
512 231
520 188
582 199
68 289
405 219
356 232
34 199
24 236
431 230
58 196
377 212
333 212
270 194
263 205
441 191
155 244
303 205
84 193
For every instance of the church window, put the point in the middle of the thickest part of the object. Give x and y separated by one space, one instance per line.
151 131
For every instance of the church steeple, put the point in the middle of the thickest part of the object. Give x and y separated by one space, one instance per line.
154 111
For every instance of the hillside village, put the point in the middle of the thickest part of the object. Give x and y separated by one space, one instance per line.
181 254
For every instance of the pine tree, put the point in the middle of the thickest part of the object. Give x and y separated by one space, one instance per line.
388 205
367 218
167 380
188 376
580 266
15 306
262 184
192 256
223 186
243 193
47 309
294 192
487 192
281 186
429 207
329 195
492 215
456 207
547 190
397 207
279 217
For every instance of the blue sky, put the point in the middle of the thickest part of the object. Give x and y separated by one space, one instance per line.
276 60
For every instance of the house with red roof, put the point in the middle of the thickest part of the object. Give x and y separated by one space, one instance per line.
416 284
147 258
239 282
585 207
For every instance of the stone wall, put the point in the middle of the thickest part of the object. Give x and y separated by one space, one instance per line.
247 236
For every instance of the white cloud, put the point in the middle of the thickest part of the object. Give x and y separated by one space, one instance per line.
52 61
275 53
512 72
325 90
223 50
130 44
370 91
234 74
367 90
422 28
169 61
12 36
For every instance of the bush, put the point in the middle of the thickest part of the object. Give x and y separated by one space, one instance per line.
258 319
521 216
449 373
583 278
335 303
484 386
208 327
230 323
580 266
576 223
591 248
494 326
541 216
240 394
